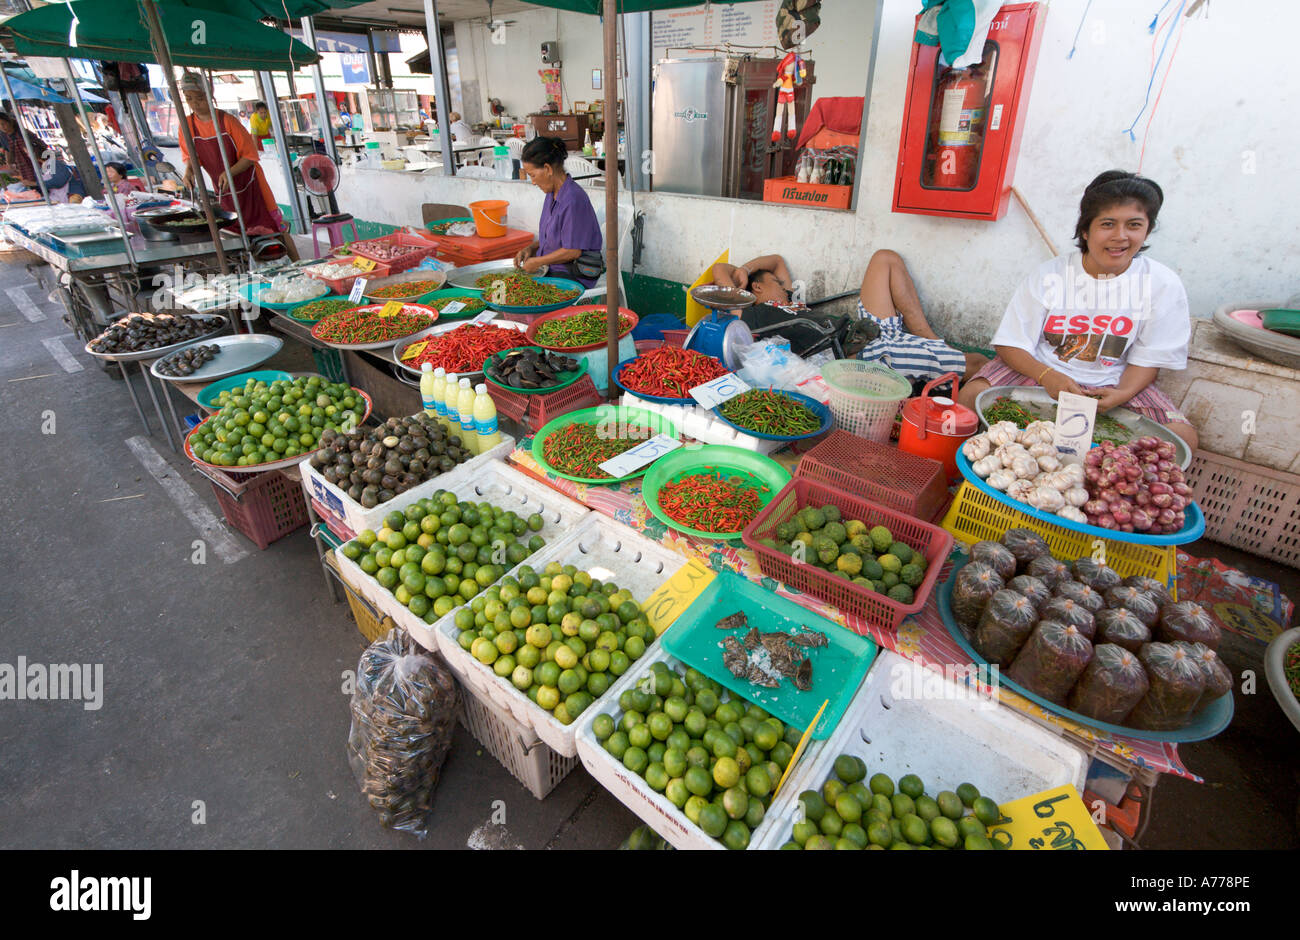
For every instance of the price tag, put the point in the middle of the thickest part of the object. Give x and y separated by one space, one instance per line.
633 460
1053 820
671 599
714 393
414 349
391 309
358 288
1075 417
487 316
365 264
455 306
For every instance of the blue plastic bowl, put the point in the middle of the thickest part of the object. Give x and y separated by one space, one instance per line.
208 397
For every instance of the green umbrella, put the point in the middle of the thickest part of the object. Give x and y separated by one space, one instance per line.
203 33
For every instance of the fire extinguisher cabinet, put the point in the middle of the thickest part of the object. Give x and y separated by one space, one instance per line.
961 127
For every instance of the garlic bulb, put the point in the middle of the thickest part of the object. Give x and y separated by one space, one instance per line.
1001 479
986 465
1021 489
1075 472
1047 498
1008 453
1076 496
1059 480
1049 462
1072 513
1004 432
976 447
1024 467
1042 449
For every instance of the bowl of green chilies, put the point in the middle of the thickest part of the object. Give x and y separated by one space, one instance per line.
775 415
578 329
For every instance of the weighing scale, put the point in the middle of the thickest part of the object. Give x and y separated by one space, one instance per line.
722 334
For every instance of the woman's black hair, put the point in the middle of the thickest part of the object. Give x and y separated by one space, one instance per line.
120 167
545 151
1115 187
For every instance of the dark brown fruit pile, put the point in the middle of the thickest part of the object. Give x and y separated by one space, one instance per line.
188 360
374 465
139 332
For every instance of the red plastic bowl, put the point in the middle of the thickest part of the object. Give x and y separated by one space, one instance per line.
573 311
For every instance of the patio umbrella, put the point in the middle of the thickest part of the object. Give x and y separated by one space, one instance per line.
27 91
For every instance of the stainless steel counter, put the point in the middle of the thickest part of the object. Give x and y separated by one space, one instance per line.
146 252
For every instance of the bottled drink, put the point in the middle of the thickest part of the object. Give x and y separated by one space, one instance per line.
451 395
439 394
465 412
485 420
428 388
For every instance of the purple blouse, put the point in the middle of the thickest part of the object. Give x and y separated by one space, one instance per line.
568 222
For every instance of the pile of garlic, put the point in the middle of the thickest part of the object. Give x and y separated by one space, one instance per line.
1024 464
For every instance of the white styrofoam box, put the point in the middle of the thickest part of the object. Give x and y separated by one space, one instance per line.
351 514
515 747
496 483
609 551
654 808
703 425
907 719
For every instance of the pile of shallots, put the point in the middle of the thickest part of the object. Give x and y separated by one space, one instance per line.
1026 466
1136 487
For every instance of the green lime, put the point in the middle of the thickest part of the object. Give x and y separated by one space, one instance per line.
848 808
968 794
970 826
713 820
814 807
855 834
698 780
986 811
737 836
903 804
911 785
881 784
880 834
803 831
944 831
914 829
927 808
977 842
850 769
949 804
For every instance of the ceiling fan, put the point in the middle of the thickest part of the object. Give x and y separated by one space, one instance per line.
494 24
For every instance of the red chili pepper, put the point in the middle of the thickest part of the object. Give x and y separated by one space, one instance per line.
466 348
707 503
670 372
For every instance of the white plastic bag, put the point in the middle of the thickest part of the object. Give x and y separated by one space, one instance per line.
766 364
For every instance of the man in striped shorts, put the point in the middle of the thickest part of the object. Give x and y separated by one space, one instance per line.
888 300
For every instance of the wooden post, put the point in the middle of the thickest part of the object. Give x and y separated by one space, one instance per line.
612 299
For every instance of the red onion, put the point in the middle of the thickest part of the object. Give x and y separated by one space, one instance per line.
1164 466
1158 489
1127 488
1126 527
1162 500
1121 515
1165 517
1177 503
1095 507
1093 458
1142 520
1165 450
1176 476
1106 521
1133 472
1092 475
1143 498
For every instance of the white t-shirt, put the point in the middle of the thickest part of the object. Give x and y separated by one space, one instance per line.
461 132
1091 328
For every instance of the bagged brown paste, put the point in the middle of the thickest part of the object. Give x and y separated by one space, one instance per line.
1151 586
1026 545
1139 603
1119 626
1051 660
1190 622
1007 621
1218 677
1098 577
1177 684
975 584
996 556
1051 571
1067 612
1033 588
1112 684
1080 593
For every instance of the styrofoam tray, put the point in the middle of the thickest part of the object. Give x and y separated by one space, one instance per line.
608 550
348 512
704 426
633 792
944 733
496 483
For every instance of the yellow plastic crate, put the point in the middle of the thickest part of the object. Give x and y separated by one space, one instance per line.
371 624
975 516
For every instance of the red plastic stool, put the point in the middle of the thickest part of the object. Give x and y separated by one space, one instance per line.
335 224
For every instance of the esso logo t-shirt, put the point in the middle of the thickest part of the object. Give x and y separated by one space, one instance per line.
1092 328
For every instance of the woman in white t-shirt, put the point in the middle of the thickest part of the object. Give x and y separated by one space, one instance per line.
1101 320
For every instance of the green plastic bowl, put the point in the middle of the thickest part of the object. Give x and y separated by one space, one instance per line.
1281 321
208 397
714 460
453 292
620 414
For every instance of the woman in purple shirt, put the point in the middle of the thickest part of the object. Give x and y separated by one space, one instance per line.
568 227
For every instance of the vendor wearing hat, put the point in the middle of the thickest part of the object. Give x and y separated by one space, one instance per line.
245 181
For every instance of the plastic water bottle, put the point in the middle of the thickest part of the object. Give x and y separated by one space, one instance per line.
439 393
447 417
465 412
502 165
485 420
428 389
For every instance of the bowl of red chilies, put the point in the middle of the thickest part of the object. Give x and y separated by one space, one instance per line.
461 348
667 374
364 328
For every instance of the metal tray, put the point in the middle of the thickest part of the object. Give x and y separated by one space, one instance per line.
722 298
239 353
438 277
441 328
465 277
1039 397
384 344
144 355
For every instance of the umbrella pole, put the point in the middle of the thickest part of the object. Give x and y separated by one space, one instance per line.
612 299
159 43
22 131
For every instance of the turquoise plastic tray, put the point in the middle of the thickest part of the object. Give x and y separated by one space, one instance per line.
208 397
1205 724
838 668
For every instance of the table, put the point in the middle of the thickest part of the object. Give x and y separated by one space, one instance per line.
922 637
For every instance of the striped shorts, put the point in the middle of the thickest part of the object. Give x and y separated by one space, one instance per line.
1150 402
913 356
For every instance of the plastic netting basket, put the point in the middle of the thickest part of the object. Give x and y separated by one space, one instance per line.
264 506
518 749
865 397
911 484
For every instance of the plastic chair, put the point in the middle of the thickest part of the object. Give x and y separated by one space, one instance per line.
335 225
477 172
625 219
486 157
580 168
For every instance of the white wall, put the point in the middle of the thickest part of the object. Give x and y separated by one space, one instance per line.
1222 146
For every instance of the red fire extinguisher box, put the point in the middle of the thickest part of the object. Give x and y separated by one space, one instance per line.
961 127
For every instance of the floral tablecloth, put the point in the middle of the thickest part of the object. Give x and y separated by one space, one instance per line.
921 637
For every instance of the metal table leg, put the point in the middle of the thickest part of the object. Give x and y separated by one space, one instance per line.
171 437
171 407
316 525
135 399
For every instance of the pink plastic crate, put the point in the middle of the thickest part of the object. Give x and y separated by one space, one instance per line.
341 285
417 250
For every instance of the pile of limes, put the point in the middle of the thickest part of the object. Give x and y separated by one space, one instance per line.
718 759
439 552
852 812
561 636
262 423
869 556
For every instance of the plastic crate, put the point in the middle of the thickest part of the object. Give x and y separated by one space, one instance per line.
865 397
372 624
645 345
420 249
1253 508
329 363
515 747
875 608
342 285
675 337
886 475
581 394
510 405
331 522
264 506
974 516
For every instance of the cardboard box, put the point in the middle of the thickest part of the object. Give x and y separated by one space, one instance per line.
785 189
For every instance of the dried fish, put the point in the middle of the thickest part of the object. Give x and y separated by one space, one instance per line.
734 657
757 676
810 638
752 638
738 619
803 676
